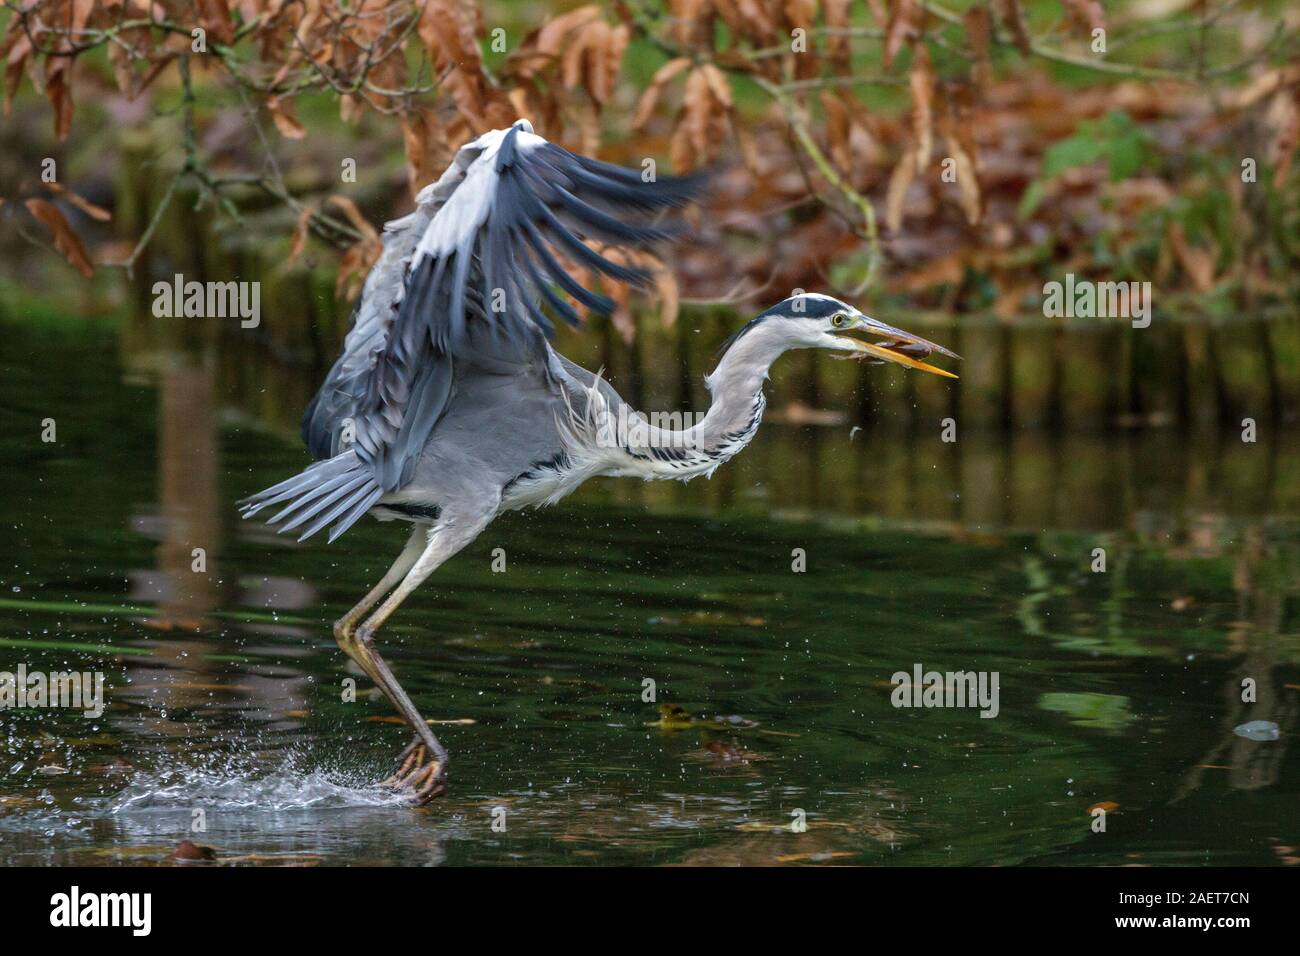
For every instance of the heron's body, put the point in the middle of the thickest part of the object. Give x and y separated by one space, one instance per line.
449 406
549 410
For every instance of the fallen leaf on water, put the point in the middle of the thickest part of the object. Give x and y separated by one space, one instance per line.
188 852
1182 603
52 769
20 802
174 623
812 857
671 717
724 750
1107 805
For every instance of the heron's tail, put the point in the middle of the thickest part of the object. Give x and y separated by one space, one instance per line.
339 490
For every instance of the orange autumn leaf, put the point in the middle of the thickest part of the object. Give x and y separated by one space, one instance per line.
98 213
979 35
354 216
899 181
922 80
65 240
1013 18
646 104
285 121
1088 13
299 239
902 25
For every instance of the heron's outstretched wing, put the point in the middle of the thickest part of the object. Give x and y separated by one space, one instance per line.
486 245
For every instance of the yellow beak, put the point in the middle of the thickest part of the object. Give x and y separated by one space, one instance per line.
895 337
889 355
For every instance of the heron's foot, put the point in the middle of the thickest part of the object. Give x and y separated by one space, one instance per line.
419 774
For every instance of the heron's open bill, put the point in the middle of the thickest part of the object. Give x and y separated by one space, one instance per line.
448 405
898 346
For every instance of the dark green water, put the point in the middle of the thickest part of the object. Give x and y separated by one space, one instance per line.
224 686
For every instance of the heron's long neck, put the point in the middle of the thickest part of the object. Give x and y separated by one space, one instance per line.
737 387
731 421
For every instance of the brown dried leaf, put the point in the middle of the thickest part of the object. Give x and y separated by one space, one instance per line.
968 186
154 71
978 34
1266 84
214 15
299 240
571 61
1013 18
353 214
1196 262
899 181
838 127
599 47
98 213
837 43
719 85
550 40
1087 13
645 107
690 144
669 296
615 48
16 59
902 25
285 121
354 267
59 92
65 240
1284 118
921 81
427 148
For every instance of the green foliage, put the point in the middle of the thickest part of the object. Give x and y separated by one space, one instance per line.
1115 138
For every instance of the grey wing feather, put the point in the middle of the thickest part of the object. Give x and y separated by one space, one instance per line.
481 250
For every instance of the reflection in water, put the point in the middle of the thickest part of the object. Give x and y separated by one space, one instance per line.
1255 691
224 684
187 488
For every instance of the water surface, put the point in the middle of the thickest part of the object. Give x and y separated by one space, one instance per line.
225 688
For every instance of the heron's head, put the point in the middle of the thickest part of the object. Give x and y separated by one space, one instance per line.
812 320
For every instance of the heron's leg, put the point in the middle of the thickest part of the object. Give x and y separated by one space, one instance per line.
346 625
424 764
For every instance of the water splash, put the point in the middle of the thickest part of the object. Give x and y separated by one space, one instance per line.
235 788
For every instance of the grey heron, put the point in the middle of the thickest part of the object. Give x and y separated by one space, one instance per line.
449 406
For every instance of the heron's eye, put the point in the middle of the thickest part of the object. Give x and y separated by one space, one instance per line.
839 319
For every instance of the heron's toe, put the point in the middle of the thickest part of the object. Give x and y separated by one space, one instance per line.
419 774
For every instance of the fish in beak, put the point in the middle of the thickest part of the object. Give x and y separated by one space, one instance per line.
897 346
